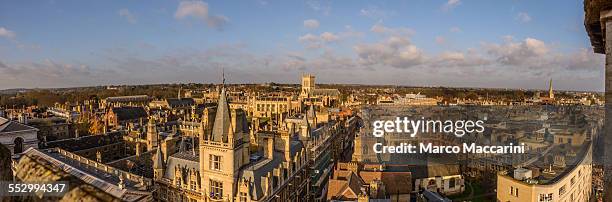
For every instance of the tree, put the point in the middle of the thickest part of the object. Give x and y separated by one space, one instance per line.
95 126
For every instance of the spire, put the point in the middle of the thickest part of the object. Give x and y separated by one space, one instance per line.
306 126
159 161
221 126
179 93
551 95
223 77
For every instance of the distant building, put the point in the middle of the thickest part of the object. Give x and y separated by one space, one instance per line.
550 97
269 106
133 100
410 99
310 94
173 103
118 116
52 128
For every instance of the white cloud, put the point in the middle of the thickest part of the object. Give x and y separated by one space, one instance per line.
488 65
329 37
311 24
313 41
199 10
523 17
6 33
400 31
125 13
450 4
452 56
395 51
529 51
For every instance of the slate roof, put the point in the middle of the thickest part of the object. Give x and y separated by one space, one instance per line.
86 142
221 126
180 102
181 159
129 113
328 92
255 170
159 159
7 126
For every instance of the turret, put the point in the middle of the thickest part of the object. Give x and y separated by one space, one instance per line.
158 164
305 127
152 139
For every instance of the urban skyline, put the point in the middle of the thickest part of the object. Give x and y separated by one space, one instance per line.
509 44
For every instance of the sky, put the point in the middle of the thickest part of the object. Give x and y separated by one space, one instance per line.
517 44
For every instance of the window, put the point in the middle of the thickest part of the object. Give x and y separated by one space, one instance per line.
215 162
216 189
243 197
193 185
18 148
513 191
562 190
546 197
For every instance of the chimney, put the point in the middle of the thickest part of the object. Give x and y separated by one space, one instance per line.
269 150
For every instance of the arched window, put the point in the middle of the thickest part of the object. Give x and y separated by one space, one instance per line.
18 148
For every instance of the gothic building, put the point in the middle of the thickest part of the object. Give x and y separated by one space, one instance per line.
223 168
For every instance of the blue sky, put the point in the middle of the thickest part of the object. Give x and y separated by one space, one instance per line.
474 43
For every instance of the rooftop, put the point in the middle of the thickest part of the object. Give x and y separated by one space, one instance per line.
105 180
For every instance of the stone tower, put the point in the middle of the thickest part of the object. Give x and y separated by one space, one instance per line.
152 139
224 149
308 84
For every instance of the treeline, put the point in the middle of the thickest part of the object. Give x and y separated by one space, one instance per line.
48 97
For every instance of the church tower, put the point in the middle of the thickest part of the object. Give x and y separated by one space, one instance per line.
224 150
551 94
308 84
